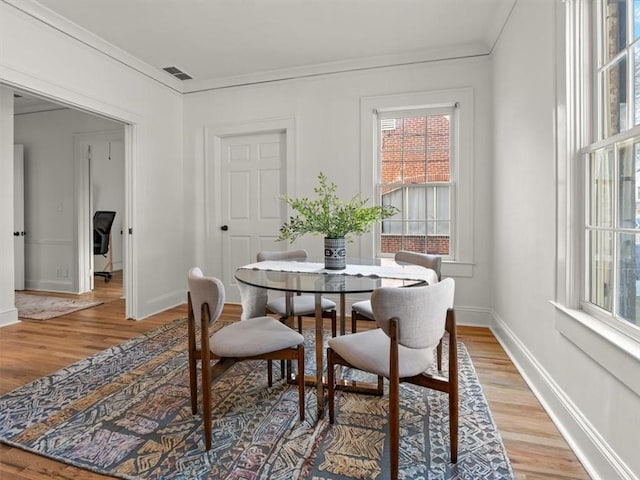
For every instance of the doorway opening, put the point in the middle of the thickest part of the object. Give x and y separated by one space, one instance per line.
60 204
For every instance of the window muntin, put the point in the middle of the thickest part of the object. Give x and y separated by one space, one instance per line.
415 165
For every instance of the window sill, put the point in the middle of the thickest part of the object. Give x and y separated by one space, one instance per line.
618 353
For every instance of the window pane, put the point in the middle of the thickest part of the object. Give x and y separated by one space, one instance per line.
615 28
393 224
391 227
442 203
439 148
414 149
628 268
627 186
636 84
416 203
391 151
416 228
601 188
442 228
636 19
600 251
415 171
614 95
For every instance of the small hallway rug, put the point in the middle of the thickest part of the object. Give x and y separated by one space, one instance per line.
126 412
44 307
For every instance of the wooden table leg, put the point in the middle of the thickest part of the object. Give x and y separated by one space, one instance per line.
319 356
342 313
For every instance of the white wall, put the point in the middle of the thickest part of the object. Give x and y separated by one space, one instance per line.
598 413
8 312
40 59
326 112
50 203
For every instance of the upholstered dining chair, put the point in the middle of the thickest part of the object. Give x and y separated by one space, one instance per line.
411 322
303 305
263 338
362 310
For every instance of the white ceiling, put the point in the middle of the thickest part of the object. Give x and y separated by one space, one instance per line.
222 39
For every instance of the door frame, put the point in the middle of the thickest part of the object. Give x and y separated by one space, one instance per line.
130 121
19 250
83 215
213 136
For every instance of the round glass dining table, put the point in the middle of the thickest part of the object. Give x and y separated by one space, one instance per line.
318 283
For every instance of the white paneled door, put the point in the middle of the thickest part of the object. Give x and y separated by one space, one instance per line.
251 183
18 216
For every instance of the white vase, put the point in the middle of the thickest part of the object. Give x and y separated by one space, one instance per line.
335 253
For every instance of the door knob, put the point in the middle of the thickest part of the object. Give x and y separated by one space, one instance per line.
224 228
16 234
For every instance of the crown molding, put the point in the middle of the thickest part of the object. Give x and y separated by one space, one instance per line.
354 65
40 13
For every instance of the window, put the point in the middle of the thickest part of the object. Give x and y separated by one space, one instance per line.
433 183
611 165
415 155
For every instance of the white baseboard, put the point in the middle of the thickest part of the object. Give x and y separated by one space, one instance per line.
597 457
473 316
9 317
50 286
161 303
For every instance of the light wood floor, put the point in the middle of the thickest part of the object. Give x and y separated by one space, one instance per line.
32 349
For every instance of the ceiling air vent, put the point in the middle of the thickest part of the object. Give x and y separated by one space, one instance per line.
176 72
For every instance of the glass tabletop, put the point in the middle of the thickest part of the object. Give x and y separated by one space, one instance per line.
317 282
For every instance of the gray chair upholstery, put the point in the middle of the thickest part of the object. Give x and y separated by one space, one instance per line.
253 338
411 323
303 305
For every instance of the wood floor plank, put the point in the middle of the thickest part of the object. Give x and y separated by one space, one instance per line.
34 348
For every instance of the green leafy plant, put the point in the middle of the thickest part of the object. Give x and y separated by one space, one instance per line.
329 216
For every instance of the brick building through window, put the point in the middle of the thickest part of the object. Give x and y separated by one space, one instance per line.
415 153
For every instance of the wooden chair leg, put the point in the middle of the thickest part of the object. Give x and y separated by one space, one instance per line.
193 382
205 356
301 380
453 425
269 373
439 355
394 402
354 321
331 385
334 321
300 325
193 367
453 385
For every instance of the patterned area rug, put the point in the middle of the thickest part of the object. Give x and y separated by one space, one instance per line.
42 307
125 412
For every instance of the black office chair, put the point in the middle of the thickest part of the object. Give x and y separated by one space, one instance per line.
102 223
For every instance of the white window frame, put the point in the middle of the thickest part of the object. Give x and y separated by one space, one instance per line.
462 211
605 339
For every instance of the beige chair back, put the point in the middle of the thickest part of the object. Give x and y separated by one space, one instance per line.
421 312
203 290
426 260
